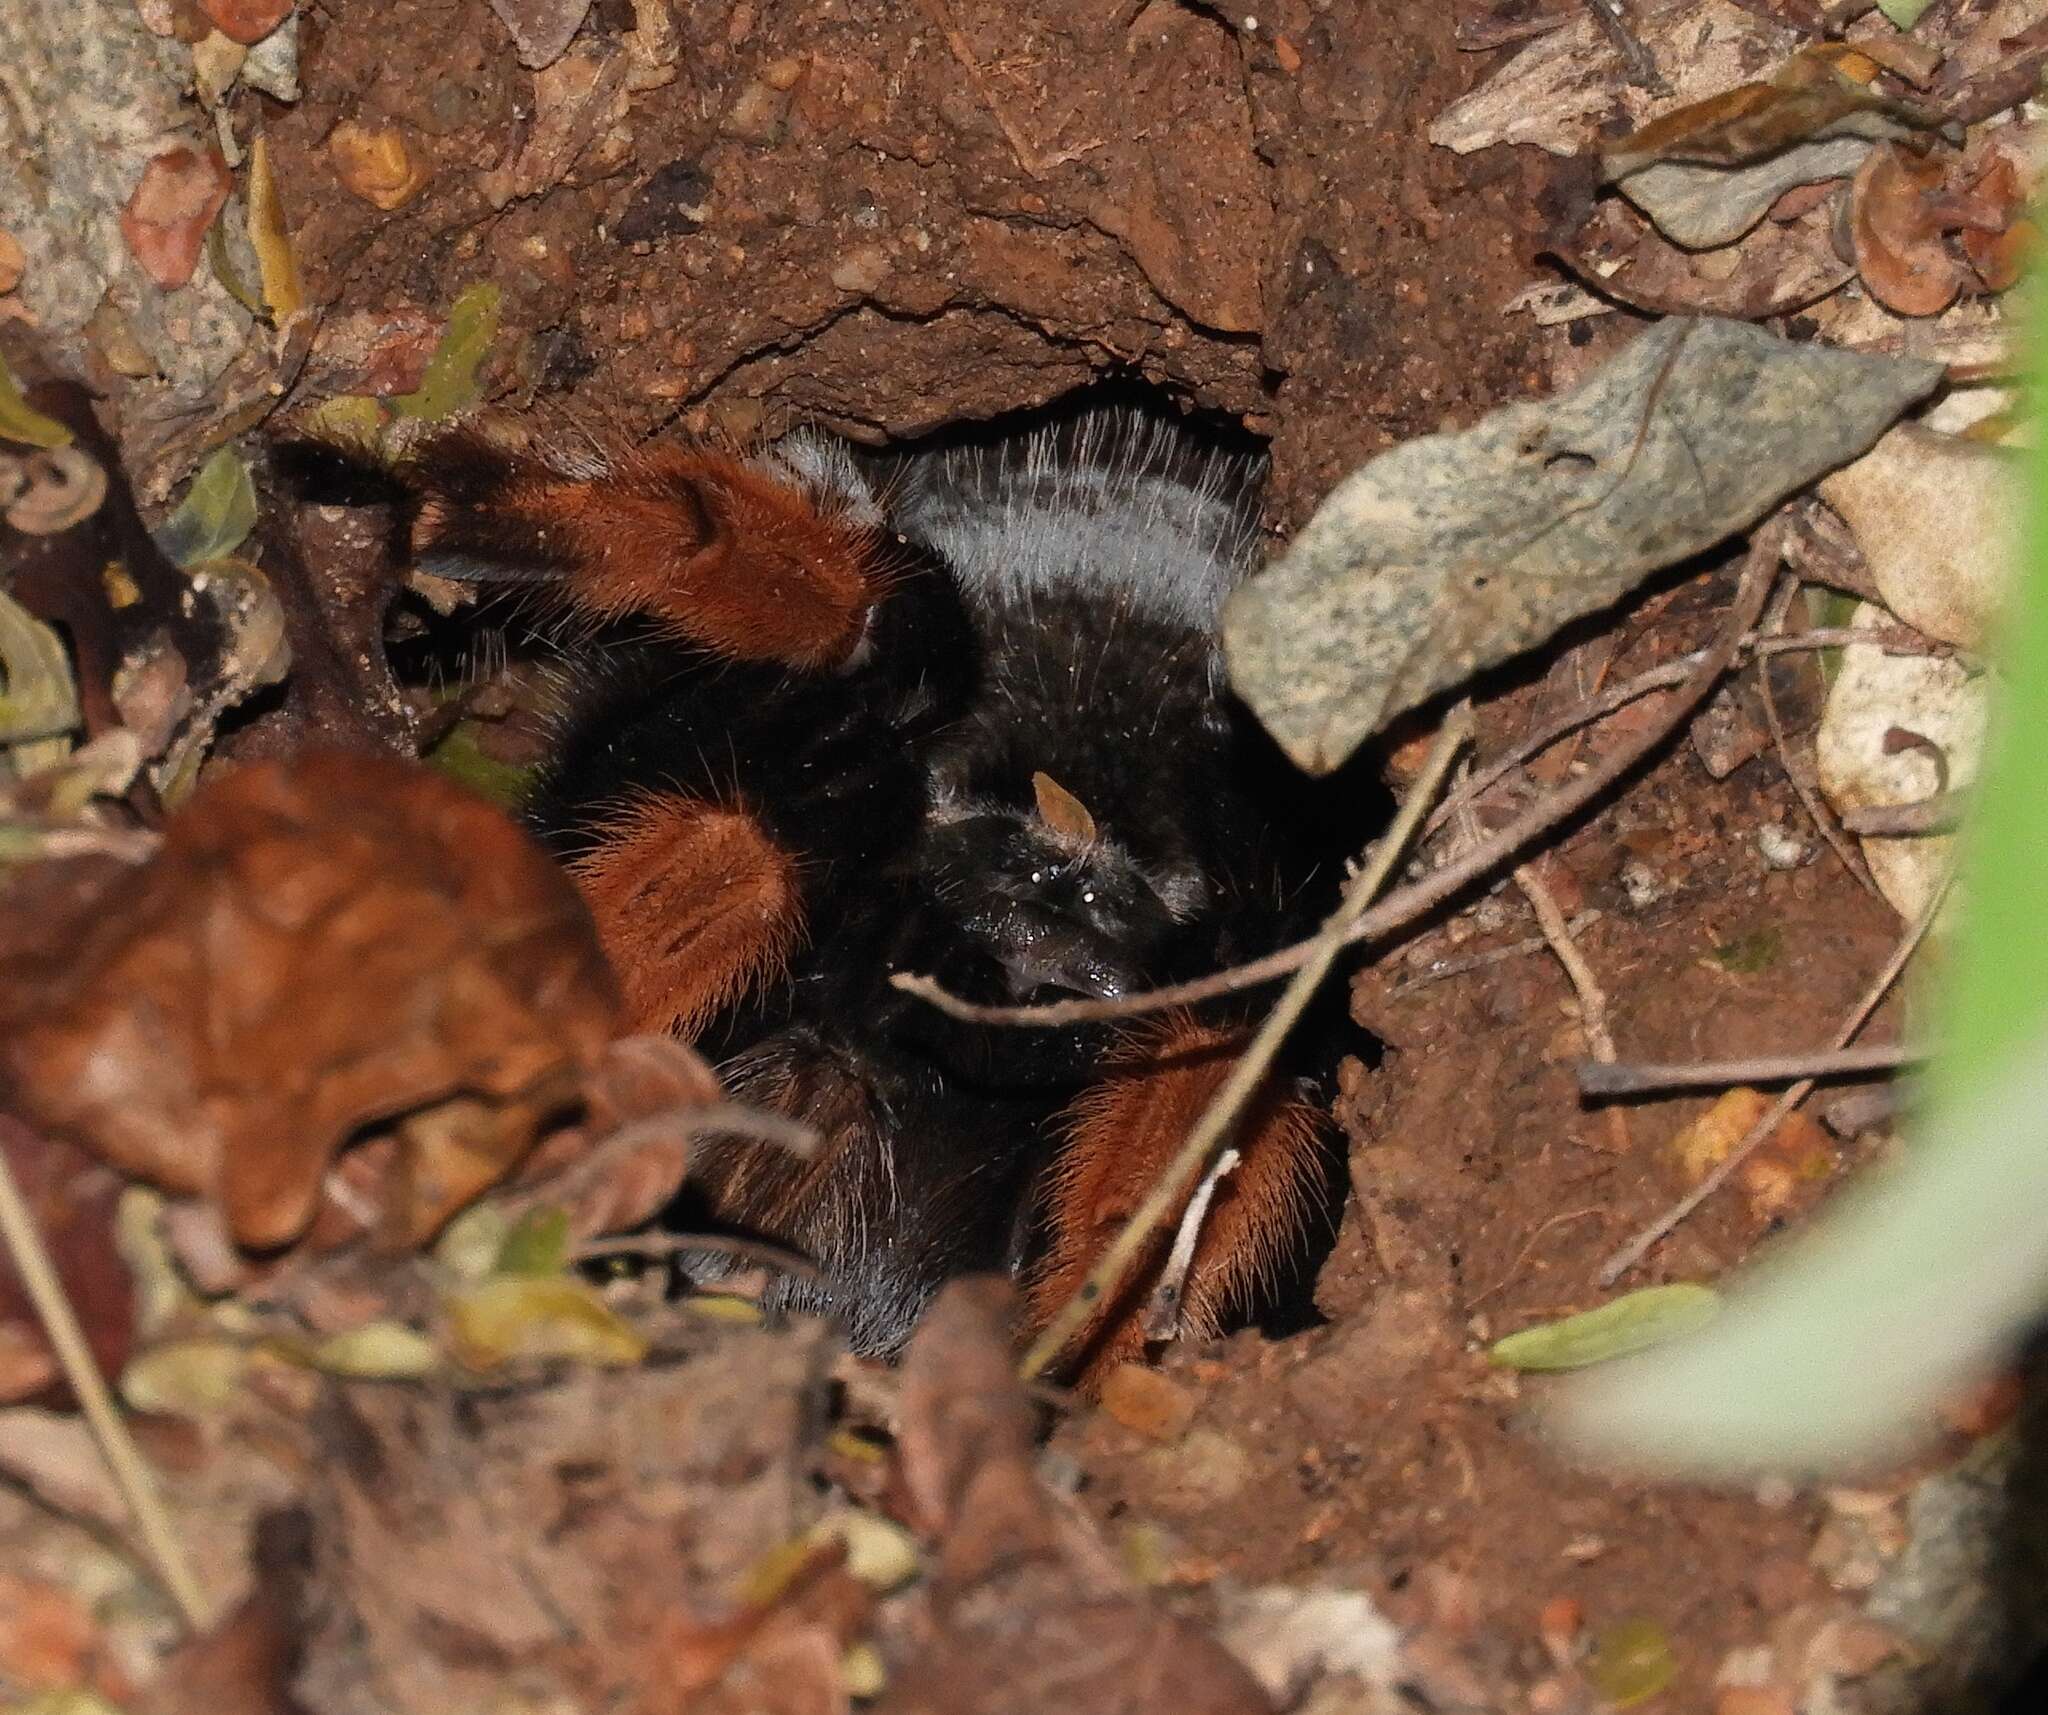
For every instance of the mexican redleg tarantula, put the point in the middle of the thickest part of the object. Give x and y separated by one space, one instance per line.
965 718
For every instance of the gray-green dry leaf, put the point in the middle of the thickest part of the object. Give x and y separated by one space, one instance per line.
216 515
1703 207
1459 550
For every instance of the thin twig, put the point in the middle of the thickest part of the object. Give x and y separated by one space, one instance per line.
1592 997
1816 812
1642 67
1635 1078
1940 814
1105 1280
1400 910
24 1244
1528 1246
712 1119
1468 962
1725 1169
737 1245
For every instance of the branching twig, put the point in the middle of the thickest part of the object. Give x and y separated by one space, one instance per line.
1725 1169
1400 910
1172 1187
1597 1078
1592 997
60 1323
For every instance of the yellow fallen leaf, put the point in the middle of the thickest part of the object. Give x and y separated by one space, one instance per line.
524 1316
284 295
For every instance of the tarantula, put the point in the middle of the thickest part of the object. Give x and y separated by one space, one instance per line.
964 717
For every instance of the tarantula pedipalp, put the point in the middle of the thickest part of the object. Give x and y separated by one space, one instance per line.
969 722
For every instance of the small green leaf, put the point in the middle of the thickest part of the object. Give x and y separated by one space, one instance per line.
521 1316
1633 1322
1904 13
462 758
39 699
538 1244
216 515
1630 1662
21 422
450 382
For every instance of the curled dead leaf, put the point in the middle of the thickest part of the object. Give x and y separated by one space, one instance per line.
1895 231
13 262
1823 91
318 946
174 202
373 162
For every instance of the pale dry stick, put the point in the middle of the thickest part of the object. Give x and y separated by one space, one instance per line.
1417 900
1162 1315
1725 1169
96 1400
1597 1078
1592 997
1193 1158
1816 812
1940 814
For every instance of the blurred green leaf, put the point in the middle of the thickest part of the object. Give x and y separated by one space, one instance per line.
1904 13
450 382
462 758
1633 1322
537 1244
216 515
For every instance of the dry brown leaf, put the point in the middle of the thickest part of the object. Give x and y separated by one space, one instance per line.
1895 230
173 204
628 1159
318 946
1007 1550
13 262
374 163
246 21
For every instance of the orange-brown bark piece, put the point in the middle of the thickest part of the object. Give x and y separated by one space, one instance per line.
1119 1137
319 945
694 903
701 542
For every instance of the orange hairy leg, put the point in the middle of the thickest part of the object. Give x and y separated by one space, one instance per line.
694 903
1120 1134
720 553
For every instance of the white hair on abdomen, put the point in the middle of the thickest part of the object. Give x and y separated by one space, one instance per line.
823 469
1121 506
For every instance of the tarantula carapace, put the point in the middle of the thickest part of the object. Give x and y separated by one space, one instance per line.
964 718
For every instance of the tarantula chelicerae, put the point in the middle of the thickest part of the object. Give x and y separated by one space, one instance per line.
969 721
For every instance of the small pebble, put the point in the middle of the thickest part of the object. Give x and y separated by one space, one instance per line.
1781 847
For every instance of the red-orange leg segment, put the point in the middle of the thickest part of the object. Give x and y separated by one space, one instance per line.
724 555
695 904
1120 1134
